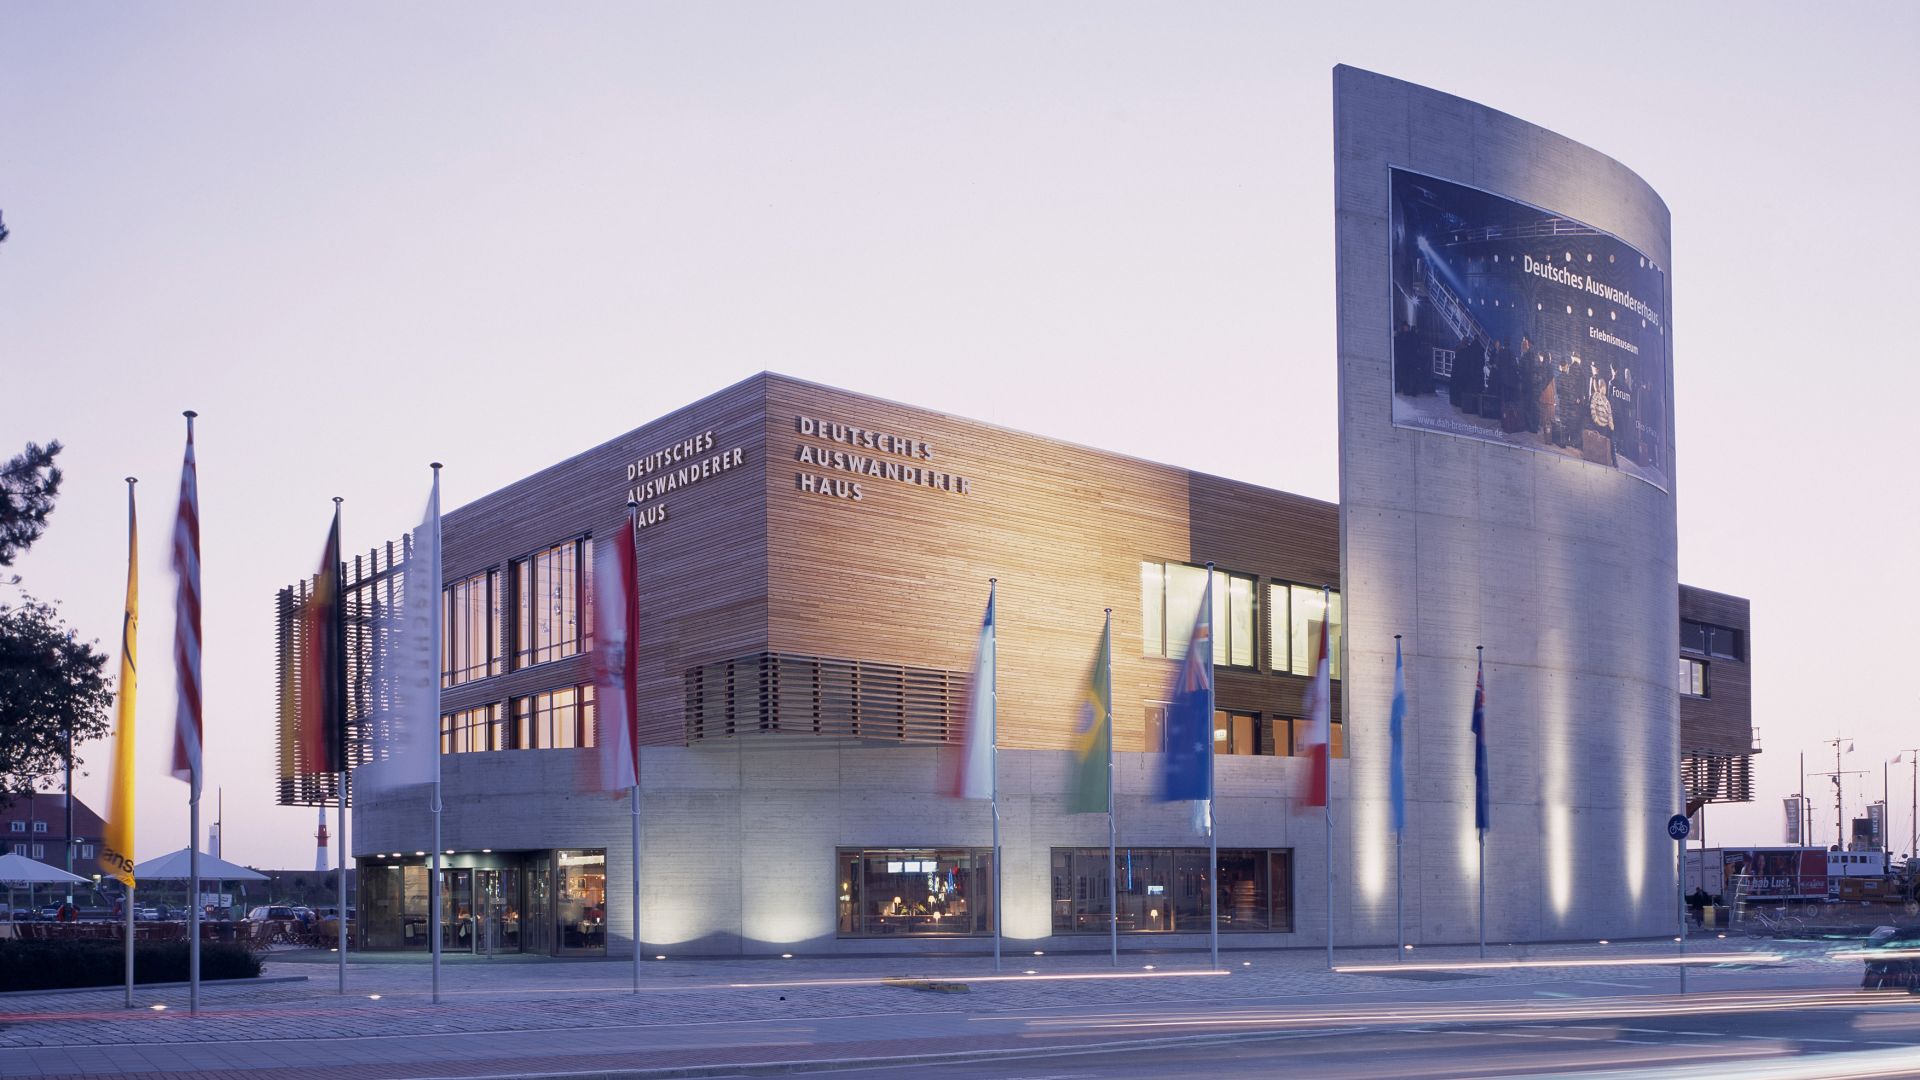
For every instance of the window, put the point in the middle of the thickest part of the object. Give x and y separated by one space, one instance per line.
915 892
1693 677
580 900
470 629
1710 640
1170 597
556 720
86 851
549 590
39 851
1294 613
473 731
40 826
19 826
1165 890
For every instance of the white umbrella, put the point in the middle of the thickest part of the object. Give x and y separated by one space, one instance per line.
17 869
175 867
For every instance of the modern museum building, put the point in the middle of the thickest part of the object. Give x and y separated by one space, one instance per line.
813 565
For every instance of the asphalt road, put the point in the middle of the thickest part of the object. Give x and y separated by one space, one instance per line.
1853 1036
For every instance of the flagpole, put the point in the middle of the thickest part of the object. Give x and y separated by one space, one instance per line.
1326 615
999 914
1113 861
1213 841
633 794
1399 844
434 807
1481 871
338 677
123 753
193 785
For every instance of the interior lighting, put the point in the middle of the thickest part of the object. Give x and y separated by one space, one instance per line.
659 958
486 851
449 851
419 853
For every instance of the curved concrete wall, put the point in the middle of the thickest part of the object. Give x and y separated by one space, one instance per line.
1563 569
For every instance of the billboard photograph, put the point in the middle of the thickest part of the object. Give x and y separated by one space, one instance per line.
1518 326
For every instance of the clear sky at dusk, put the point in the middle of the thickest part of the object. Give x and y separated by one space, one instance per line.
360 237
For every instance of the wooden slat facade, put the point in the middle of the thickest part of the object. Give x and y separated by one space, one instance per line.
755 590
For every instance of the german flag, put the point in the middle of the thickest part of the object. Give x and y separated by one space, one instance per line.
321 691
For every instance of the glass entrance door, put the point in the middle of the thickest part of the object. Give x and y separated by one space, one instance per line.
456 911
497 898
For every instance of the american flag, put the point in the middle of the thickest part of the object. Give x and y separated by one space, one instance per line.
186 626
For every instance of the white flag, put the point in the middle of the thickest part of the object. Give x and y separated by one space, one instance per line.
406 713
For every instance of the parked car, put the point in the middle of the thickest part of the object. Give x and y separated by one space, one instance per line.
1900 968
266 912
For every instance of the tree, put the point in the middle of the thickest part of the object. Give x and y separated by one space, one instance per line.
28 485
52 687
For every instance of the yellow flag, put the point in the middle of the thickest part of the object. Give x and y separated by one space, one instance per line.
116 847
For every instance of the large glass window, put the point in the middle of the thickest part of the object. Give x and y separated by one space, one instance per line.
1294 613
1710 640
1170 596
898 892
555 720
1693 677
472 731
1165 890
580 900
549 591
470 629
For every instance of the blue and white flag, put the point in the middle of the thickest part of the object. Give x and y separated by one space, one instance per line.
1188 762
974 777
1482 797
1397 726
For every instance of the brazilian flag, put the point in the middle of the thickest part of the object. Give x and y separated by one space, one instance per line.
1093 734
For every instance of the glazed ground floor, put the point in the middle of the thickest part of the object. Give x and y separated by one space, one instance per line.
764 846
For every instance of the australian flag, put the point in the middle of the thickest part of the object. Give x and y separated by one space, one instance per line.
1189 757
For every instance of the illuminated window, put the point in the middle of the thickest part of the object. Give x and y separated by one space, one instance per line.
1294 613
470 629
1166 890
549 592
1693 677
914 892
473 731
1170 598
555 720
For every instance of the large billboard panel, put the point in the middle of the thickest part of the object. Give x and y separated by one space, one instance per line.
1519 326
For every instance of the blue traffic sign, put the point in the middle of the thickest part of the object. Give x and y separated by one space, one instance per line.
1678 826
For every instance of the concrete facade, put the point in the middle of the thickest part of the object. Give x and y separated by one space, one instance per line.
1564 570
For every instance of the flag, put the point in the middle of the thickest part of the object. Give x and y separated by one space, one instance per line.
616 622
1320 710
974 778
116 839
322 697
1482 797
1187 766
1397 726
187 727
1093 735
405 730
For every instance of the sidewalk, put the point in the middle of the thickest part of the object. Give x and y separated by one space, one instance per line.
519 1018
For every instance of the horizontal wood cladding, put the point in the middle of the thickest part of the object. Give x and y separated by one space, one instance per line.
1721 722
703 570
900 573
